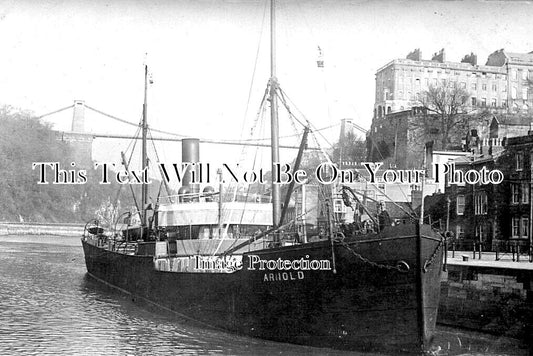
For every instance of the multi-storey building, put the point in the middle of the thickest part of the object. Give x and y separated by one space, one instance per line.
492 214
504 82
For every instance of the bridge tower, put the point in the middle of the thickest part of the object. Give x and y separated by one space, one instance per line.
78 117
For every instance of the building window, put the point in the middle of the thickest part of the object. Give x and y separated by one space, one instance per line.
494 87
513 74
474 101
504 103
493 103
524 93
524 75
513 92
463 85
426 82
519 159
515 227
525 193
484 87
524 227
460 231
515 193
474 86
483 102
460 205
480 203
434 82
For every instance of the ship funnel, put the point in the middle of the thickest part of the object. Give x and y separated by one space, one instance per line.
190 153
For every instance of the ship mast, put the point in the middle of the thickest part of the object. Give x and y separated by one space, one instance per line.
144 191
274 125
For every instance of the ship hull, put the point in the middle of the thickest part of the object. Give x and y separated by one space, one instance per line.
362 303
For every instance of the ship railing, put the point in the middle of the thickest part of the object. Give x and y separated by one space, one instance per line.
124 247
213 197
198 264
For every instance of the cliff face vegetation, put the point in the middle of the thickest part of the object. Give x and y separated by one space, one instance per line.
25 140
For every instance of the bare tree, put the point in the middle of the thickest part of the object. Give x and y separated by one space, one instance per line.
446 105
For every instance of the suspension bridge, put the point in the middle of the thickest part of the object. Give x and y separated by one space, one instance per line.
83 141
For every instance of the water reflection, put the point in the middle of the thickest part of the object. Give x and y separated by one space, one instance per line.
50 306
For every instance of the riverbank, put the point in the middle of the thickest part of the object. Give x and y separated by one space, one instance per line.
27 228
488 295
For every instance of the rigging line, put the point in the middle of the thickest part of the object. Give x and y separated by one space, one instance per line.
285 136
360 128
134 141
121 185
254 70
281 95
377 148
324 153
392 201
265 233
260 115
379 152
310 124
261 110
135 137
291 116
56 111
163 181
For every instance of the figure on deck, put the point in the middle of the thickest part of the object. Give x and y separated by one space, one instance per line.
383 217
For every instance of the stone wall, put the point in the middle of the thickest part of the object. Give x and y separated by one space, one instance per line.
494 300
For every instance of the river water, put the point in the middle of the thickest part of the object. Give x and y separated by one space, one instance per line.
49 306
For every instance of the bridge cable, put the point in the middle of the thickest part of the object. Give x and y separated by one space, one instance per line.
56 111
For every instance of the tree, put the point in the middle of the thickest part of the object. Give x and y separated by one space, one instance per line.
24 140
445 107
350 148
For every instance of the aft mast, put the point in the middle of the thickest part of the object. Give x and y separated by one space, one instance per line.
144 159
274 125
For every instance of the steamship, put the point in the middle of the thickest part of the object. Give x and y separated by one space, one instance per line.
239 264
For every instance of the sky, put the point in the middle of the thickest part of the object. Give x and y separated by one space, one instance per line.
210 59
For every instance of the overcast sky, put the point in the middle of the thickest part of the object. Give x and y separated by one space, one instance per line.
203 53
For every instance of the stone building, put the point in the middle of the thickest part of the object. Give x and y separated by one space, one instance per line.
398 139
503 83
494 215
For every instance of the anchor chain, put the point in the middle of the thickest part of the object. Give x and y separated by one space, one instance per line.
401 267
430 261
